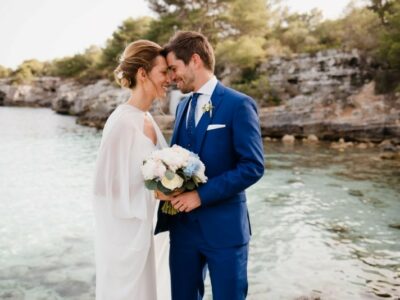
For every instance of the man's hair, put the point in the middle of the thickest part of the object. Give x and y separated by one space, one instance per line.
186 43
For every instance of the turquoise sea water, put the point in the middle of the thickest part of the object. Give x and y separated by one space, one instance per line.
322 219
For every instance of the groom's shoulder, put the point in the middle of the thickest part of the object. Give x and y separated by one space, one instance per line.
237 96
181 103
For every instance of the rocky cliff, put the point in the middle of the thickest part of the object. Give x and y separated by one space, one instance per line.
37 94
92 104
329 94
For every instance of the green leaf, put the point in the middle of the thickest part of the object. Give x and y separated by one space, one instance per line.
182 174
169 174
150 184
190 185
168 209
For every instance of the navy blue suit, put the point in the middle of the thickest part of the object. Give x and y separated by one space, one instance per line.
217 233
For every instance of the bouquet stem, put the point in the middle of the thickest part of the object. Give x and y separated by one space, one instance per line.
168 209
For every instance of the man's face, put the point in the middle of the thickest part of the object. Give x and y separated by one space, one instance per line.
183 75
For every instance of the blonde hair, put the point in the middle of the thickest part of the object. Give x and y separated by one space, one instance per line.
139 54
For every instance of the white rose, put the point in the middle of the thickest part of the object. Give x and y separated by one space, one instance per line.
148 170
160 170
174 183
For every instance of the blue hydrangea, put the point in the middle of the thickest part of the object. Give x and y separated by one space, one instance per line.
193 165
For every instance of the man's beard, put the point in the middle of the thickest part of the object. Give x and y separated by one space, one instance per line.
186 90
187 85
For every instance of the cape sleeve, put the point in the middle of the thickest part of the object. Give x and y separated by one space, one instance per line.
118 177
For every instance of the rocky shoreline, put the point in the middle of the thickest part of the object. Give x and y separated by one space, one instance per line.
328 95
92 104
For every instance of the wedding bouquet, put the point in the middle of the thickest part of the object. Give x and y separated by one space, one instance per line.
172 170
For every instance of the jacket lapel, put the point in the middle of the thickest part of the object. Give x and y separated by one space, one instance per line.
201 129
181 109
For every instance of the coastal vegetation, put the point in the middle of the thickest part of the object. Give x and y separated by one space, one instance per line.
4 72
245 35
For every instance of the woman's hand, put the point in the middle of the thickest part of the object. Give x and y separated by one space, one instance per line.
161 196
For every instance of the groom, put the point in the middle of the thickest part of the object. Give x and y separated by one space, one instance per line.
221 126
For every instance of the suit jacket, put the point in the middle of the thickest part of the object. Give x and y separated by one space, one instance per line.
233 155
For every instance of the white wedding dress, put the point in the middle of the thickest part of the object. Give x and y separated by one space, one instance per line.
131 263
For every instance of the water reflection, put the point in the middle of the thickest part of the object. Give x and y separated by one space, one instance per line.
317 215
325 223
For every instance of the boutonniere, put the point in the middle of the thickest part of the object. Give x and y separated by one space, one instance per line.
208 108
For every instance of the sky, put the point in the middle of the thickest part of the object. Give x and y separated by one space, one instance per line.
48 29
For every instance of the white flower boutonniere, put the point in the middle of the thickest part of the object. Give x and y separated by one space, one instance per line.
208 108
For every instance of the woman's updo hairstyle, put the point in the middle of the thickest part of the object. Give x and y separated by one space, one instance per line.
139 54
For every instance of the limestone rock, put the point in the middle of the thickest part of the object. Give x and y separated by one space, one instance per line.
37 94
327 95
362 146
288 139
312 138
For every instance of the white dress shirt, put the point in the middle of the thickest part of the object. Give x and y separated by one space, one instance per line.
206 91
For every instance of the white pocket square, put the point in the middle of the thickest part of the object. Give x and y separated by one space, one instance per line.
215 126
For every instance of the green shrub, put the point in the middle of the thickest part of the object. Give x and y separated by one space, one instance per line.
5 72
129 31
79 66
27 71
257 86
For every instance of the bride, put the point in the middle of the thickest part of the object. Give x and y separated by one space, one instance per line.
130 262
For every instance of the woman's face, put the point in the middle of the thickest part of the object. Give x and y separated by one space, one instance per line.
158 78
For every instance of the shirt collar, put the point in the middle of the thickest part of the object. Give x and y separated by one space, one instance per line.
208 87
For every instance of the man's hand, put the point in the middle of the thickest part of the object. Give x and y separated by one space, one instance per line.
186 202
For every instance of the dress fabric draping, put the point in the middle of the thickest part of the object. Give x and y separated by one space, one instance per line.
131 263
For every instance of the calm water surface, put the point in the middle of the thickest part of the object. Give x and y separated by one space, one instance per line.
323 221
